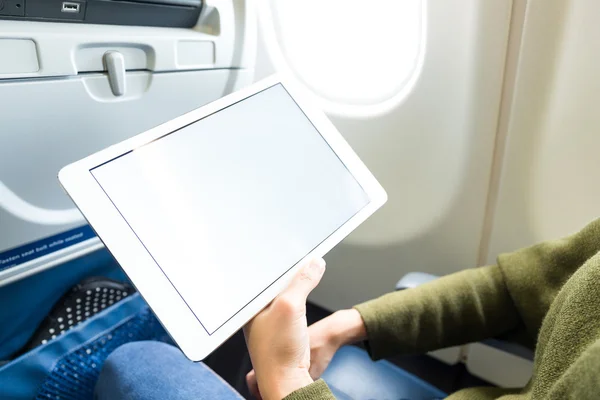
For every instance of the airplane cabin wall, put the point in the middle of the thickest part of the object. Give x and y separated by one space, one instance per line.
547 185
494 149
432 153
546 165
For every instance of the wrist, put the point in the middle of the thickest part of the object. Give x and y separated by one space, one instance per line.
347 327
282 384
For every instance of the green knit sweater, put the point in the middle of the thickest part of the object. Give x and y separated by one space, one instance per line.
546 297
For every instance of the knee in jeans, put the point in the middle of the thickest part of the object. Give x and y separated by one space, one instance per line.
120 361
133 350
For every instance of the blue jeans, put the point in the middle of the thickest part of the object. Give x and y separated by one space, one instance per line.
155 370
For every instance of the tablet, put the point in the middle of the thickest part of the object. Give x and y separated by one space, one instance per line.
212 213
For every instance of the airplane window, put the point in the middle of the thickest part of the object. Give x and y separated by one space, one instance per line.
357 58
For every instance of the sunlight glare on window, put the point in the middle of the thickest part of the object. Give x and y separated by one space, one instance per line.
352 54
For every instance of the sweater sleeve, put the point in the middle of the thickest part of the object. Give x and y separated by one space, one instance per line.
467 306
507 300
535 275
318 390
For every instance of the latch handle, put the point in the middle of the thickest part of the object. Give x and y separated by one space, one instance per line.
115 67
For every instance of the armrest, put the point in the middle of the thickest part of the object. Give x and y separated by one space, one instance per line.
414 279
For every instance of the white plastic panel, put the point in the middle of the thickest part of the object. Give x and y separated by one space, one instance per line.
551 169
46 138
66 49
450 355
195 53
23 56
56 106
32 204
498 367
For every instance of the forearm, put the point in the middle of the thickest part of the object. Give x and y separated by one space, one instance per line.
468 306
342 327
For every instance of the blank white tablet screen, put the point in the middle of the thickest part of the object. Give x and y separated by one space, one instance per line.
226 205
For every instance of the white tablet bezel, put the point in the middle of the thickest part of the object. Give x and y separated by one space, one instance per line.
137 263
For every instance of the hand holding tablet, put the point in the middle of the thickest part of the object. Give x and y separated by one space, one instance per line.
211 214
277 338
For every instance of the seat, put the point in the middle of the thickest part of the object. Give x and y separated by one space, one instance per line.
353 375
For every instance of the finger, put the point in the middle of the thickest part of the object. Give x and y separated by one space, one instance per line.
305 281
253 385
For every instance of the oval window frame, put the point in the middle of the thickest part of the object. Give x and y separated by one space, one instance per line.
282 67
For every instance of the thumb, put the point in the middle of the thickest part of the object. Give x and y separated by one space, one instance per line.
305 280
